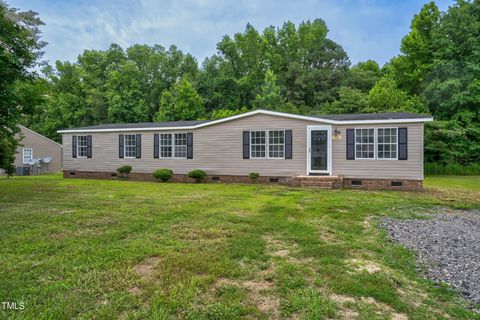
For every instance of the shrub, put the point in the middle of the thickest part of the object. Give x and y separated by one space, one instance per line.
198 175
254 176
163 175
452 169
124 169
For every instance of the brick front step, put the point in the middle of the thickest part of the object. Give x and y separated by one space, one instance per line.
324 182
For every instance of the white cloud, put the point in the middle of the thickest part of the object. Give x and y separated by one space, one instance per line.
367 29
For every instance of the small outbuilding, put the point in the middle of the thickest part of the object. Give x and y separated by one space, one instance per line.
36 153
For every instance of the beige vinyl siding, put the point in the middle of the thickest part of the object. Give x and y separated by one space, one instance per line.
218 149
41 147
379 168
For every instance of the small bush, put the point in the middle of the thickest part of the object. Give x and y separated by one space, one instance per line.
163 175
452 169
124 169
198 175
254 176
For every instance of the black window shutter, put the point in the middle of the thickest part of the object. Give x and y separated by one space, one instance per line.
189 145
74 146
89 146
120 146
288 144
246 144
350 144
402 144
156 145
138 146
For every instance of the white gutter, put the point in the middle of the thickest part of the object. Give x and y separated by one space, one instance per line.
281 114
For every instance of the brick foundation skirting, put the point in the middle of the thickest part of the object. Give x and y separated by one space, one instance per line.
140 176
383 184
369 184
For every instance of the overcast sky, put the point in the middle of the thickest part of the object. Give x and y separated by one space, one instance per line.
367 29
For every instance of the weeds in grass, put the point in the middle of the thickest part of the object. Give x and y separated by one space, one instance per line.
138 250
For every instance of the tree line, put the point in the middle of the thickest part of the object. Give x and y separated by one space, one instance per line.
290 68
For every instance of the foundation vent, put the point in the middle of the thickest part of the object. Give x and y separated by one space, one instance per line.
356 183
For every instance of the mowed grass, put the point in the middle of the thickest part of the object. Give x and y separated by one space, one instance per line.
465 183
93 249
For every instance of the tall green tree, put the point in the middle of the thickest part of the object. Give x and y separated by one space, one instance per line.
417 49
439 63
310 68
350 100
363 76
113 85
182 102
270 97
385 96
19 53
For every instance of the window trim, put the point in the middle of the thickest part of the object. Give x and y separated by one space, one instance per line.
160 145
250 144
23 154
376 143
125 146
267 144
86 146
173 145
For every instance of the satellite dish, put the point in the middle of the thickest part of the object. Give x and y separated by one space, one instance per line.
47 160
32 162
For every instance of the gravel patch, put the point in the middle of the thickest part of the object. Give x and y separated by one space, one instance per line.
447 245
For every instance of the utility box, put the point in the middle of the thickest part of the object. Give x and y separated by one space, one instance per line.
22 171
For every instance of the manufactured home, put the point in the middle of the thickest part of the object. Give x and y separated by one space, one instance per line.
373 151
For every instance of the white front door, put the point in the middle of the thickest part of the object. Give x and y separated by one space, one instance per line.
319 150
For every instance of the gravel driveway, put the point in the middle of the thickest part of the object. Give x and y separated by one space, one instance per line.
448 245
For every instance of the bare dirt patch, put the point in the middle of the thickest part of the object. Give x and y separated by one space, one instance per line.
135 291
192 232
399 316
222 282
342 299
281 253
280 249
364 265
348 314
258 293
146 267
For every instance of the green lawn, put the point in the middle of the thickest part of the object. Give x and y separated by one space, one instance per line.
91 249
466 183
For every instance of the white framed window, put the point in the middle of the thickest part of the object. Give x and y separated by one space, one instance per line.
267 144
387 143
173 146
166 145
81 146
276 144
258 144
130 145
365 143
27 155
180 146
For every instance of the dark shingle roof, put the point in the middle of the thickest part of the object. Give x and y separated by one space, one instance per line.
335 117
372 116
169 124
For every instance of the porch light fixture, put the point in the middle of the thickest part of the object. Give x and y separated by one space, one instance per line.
337 134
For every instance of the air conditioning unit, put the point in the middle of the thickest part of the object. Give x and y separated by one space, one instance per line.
22 171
